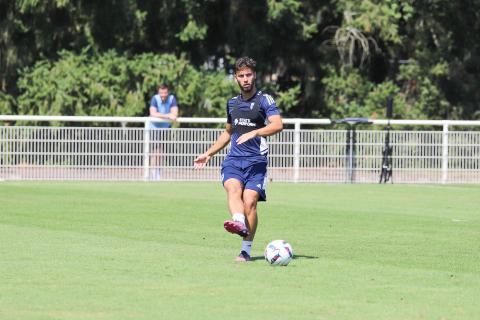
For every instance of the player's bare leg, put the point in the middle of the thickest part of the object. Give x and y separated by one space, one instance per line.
156 161
234 190
237 225
250 199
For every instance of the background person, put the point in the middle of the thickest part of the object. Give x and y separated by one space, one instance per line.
244 169
163 105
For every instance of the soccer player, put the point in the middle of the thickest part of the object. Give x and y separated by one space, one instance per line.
251 116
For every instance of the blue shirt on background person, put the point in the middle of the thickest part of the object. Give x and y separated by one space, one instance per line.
163 106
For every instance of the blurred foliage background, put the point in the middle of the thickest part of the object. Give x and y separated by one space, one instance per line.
318 58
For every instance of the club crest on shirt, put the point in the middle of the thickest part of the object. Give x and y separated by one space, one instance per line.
251 105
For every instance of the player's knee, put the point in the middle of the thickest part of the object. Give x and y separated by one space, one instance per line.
234 190
250 204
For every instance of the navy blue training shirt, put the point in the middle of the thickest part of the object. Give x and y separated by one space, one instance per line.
241 115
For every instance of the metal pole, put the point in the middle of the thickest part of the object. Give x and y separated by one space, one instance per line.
146 150
353 143
296 152
445 153
348 154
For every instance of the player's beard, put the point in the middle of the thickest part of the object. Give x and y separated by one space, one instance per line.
246 89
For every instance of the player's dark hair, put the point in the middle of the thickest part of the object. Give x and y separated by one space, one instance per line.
163 86
245 62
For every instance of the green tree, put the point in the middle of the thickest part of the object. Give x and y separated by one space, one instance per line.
31 30
291 40
110 84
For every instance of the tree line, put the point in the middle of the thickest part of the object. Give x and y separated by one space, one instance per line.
319 59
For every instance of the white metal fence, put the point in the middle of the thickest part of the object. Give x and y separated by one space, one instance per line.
296 154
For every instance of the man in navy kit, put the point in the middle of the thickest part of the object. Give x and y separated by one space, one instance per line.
251 116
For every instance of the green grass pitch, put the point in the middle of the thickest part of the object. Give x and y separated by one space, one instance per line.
158 251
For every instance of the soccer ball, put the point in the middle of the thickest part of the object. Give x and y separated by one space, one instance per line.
278 253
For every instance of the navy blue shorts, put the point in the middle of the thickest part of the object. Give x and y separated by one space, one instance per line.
252 175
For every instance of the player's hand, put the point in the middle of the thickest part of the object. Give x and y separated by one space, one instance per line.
201 161
247 136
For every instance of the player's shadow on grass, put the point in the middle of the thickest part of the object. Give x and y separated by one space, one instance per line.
301 256
295 256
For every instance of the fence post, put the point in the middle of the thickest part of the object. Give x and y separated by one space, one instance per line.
296 152
146 150
445 153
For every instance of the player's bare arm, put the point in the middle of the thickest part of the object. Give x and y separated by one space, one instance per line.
222 141
173 113
273 127
168 116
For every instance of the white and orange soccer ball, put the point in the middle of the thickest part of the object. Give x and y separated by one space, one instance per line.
278 253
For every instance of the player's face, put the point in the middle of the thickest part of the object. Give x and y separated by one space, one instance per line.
163 94
246 79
